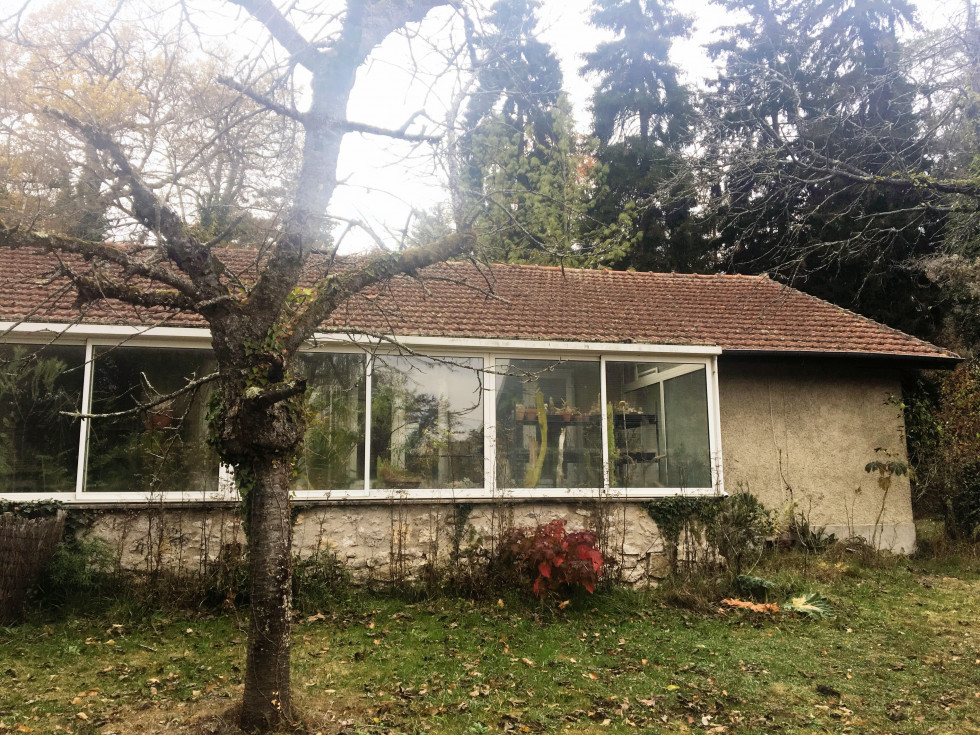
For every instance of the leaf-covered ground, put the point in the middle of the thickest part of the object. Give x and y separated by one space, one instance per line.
902 655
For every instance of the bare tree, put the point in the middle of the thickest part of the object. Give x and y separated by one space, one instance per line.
137 123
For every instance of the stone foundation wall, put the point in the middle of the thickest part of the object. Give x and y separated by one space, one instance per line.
380 542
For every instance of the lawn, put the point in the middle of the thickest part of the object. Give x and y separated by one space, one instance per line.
901 655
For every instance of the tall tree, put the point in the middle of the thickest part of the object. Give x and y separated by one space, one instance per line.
817 157
642 115
522 159
150 155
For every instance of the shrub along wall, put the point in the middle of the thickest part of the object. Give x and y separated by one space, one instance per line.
384 542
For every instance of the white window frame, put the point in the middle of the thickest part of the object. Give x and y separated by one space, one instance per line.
489 350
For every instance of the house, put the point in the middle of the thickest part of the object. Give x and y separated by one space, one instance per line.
542 390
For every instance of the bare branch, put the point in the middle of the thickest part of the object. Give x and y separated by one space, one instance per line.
181 247
266 13
13 237
143 407
337 287
263 100
99 286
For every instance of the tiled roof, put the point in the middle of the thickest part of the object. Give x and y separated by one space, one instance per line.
535 302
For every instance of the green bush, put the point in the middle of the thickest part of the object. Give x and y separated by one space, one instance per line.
81 569
740 530
962 519
320 581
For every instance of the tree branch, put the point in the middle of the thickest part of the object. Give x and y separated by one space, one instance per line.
13 237
180 246
261 99
266 13
336 287
99 287
191 385
259 398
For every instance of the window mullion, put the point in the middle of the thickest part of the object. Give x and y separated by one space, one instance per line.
714 426
603 423
489 422
88 370
368 380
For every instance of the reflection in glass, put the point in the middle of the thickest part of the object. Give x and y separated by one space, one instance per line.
658 421
426 422
39 445
160 449
332 455
548 424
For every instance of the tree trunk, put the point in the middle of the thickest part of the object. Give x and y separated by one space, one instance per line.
266 702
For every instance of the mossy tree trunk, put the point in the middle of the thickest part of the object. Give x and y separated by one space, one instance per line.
258 320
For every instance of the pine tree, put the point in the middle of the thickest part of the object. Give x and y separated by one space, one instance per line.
642 115
521 151
812 104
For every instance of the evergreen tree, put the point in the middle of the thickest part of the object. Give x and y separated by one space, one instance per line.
642 114
521 152
813 107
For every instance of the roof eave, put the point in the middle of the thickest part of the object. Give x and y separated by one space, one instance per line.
924 362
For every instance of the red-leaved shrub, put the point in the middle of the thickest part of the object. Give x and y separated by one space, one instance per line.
549 558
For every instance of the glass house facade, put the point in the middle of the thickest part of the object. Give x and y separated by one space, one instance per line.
441 419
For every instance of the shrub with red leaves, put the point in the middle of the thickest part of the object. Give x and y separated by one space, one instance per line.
551 558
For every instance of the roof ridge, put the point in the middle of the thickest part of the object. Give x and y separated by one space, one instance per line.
603 269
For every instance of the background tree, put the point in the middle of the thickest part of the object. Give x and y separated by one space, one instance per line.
817 159
170 162
522 160
642 118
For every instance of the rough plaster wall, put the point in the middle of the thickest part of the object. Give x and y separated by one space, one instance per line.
803 432
153 539
377 542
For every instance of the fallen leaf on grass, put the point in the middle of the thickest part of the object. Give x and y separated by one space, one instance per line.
827 691
760 607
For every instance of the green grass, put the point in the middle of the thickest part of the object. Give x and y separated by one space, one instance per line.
901 655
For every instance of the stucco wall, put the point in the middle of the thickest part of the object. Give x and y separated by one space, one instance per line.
802 432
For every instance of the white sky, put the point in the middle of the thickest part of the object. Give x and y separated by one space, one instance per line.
381 191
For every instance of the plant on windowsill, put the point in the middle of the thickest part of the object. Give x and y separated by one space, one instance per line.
397 478
536 463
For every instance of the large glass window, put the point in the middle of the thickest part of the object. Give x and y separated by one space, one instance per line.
38 443
160 449
332 455
657 413
426 422
549 431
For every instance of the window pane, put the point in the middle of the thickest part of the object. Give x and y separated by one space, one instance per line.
548 424
659 424
427 423
38 445
164 448
332 455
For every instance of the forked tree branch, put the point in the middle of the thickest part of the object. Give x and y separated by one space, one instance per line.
14 237
100 286
335 288
181 247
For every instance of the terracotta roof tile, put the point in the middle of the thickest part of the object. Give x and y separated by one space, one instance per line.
533 302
